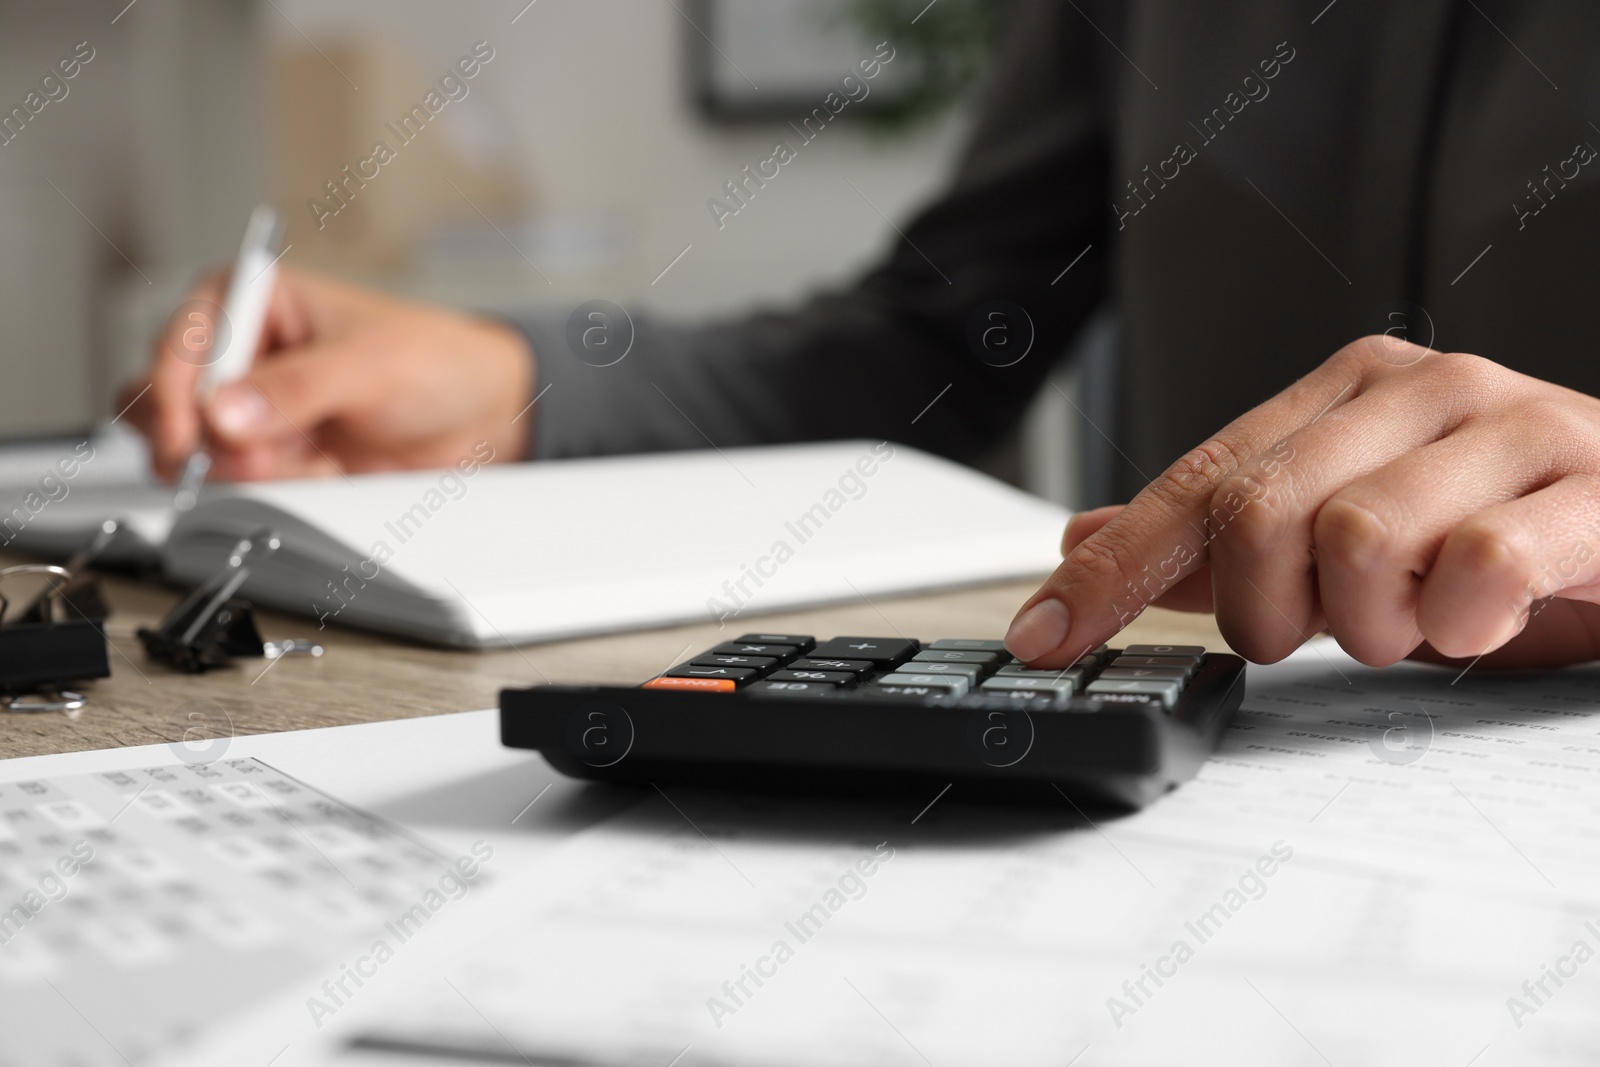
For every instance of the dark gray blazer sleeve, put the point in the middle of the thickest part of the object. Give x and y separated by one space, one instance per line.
864 361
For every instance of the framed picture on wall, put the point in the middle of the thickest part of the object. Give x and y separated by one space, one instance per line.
756 60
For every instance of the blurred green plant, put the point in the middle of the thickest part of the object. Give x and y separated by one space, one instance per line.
946 50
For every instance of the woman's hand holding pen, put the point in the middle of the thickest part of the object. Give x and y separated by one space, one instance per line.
345 379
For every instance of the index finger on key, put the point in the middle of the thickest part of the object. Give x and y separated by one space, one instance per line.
1162 535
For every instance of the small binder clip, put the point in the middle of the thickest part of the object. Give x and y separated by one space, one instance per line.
211 626
81 592
42 650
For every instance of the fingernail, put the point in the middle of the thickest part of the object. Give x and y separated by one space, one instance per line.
1038 630
236 410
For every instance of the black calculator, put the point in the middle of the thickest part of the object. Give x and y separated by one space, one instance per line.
892 714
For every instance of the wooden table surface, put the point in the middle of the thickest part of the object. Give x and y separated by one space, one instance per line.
365 677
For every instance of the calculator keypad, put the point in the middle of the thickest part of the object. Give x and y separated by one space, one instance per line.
889 714
973 671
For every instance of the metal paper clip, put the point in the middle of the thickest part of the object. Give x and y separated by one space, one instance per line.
211 626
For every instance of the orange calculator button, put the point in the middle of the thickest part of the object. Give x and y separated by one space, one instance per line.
708 685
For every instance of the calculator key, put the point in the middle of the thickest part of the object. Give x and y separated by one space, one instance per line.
1037 697
1101 701
1154 661
702 685
954 684
1064 686
804 642
957 655
1011 700
755 663
1166 691
913 694
826 677
876 649
733 674
753 648
1090 660
771 688
1194 652
967 670
970 644
1124 674
1016 670
853 666
1092 657
1135 662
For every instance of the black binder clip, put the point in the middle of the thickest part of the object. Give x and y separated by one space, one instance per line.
42 649
81 592
211 626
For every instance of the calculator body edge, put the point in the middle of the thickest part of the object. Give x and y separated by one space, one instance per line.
1121 755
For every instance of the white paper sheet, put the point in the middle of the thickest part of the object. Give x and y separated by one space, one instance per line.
1341 895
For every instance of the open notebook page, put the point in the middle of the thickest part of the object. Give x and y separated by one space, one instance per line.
541 551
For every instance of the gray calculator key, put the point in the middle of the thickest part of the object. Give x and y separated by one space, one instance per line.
1014 700
965 670
956 655
1101 701
1166 691
1038 685
1060 692
1178 662
1016 670
953 684
1158 674
970 644
1192 651
1092 659
910 694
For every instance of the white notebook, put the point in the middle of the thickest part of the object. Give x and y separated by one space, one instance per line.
522 553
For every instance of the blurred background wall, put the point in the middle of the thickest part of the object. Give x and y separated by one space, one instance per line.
574 163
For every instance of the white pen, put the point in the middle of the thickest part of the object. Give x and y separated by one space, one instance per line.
244 313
